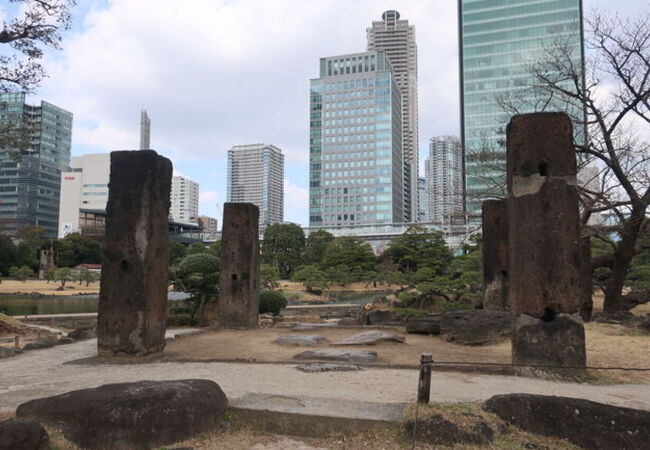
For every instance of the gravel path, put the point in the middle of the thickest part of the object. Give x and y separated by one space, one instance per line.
42 373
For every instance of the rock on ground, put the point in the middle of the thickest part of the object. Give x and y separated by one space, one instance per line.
328 367
83 333
378 317
423 325
6 352
300 326
138 415
332 354
585 423
475 327
301 340
437 430
23 434
371 337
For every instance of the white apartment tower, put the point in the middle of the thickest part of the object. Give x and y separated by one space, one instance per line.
444 179
85 186
397 39
256 175
184 200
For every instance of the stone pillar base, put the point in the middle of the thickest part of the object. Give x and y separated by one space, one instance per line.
559 342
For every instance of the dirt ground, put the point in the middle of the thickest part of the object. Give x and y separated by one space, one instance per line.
44 288
607 345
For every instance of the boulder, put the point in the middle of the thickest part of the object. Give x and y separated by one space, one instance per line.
300 326
64 340
475 327
587 424
378 317
564 349
348 322
328 367
437 430
80 334
334 354
624 318
301 340
371 337
6 352
37 345
423 325
645 323
23 434
138 415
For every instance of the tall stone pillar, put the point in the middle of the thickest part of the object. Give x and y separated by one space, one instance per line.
495 254
239 279
135 262
545 247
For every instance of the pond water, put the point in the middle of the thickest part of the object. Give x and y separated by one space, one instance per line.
354 297
20 305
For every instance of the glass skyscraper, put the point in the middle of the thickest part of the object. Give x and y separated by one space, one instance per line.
356 173
30 185
498 40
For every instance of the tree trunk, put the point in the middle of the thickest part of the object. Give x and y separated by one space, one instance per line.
625 252
587 281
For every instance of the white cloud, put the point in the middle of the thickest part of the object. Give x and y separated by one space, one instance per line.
208 197
295 196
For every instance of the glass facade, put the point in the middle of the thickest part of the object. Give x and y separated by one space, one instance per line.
30 187
498 41
356 172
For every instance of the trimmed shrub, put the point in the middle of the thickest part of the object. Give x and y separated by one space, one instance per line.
272 302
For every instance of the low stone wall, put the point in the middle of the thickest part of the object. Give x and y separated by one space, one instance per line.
70 321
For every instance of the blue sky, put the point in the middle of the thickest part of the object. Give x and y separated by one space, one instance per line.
215 73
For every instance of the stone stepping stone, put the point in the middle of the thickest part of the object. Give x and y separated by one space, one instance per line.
328 367
371 337
335 354
301 340
306 326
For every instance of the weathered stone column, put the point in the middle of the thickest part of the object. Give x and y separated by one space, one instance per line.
545 247
495 254
239 279
135 262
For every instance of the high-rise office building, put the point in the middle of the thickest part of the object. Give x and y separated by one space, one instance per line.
356 174
423 200
498 41
444 178
84 186
397 39
184 206
30 184
145 130
256 175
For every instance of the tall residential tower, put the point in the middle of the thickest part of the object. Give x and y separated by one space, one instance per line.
498 41
184 205
444 179
356 174
397 39
256 175
30 183
145 130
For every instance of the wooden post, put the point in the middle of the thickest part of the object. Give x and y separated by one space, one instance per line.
424 385
17 341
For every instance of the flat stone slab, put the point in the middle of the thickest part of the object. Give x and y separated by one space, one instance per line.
371 337
305 326
300 340
316 417
328 367
335 354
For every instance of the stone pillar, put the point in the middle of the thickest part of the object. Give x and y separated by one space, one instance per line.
239 279
545 247
135 262
495 254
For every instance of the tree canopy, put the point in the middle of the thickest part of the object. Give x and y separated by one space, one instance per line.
283 247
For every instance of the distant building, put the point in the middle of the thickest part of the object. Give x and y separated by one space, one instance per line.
356 174
145 131
498 42
256 175
209 224
184 200
423 201
444 179
84 186
30 186
396 38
